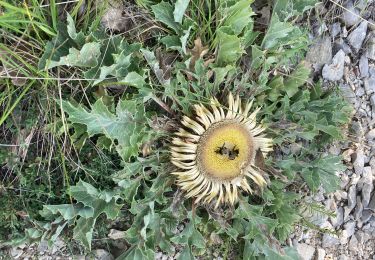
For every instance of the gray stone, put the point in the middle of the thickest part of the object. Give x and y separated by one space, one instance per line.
320 254
371 205
348 93
16 253
350 16
357 36
370 134
43 246
158 255
320 53
370 47
352 197
339 218
335 29
358 209
368 186
335 71
371 25
340 44
359 91
363 66
340 195
329 241
349 228
343 257
116 234
369 84
319 196
344 181
366 216
353 244
306 252
371 68
359 161
101 254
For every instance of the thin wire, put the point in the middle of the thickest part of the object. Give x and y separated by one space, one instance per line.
346 9
41 78
61 3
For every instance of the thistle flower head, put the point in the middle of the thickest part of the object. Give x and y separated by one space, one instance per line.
215 153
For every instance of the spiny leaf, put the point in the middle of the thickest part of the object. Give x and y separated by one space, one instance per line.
276 31
296 79
164 13
238 16
83 231
125 126
229 48
121 62
133 79
79 38
86 57
179 10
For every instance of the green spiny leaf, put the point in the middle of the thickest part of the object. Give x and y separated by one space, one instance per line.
238 16
87 57
79 38
164 13
179 10
230 49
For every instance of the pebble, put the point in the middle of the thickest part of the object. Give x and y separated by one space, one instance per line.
320 254
343 257
368 186
16 253
338 220
370 134
340 44
349 228
116 234
370 47
335 29
359 91
335 71
101 254
358 209
359 161
363 66
320 53
353 244
348 93
43 246
371 24
344 180
350 16
329 241
305 251
357 36
371 205
340 195
352 197
366 216
369 84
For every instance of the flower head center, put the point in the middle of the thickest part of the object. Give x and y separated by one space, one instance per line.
228 150
225 149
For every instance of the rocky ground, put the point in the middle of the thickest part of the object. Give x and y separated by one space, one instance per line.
344 54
